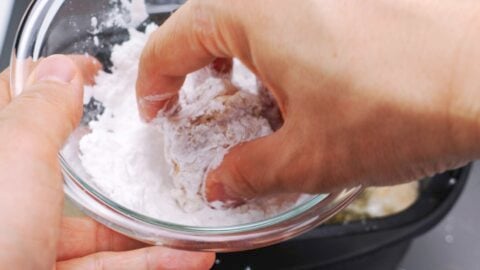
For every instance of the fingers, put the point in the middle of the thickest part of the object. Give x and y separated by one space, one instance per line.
195 35
33 127
142 259
80 237
45 92
50 106
5 94
83 236
88 65
251 169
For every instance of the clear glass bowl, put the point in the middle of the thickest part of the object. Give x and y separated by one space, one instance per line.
66 26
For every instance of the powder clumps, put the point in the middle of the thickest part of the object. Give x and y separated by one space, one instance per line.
213 115
158 169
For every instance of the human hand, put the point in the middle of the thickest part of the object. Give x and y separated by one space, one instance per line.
33 128
372 92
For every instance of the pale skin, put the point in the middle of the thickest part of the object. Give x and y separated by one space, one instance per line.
374 92
35 235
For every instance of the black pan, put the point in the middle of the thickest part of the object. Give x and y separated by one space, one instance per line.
371 244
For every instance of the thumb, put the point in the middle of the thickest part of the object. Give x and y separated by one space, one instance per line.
33 128
192 38
256 168
50 105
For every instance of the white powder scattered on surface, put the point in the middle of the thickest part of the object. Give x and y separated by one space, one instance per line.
159 169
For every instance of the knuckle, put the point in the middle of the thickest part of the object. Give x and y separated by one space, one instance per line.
208 21
157 50
53 103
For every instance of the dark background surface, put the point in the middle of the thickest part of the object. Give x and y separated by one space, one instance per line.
452 245
15 18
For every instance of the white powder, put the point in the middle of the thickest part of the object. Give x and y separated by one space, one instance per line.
159 169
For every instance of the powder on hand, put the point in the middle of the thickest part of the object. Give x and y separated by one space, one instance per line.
212 116
158 169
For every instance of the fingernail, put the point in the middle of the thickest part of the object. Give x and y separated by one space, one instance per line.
148 110
155 105
170 107
216 192
55 68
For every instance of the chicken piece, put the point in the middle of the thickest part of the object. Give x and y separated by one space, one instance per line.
212 116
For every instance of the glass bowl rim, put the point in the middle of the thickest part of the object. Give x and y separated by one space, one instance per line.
257 225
